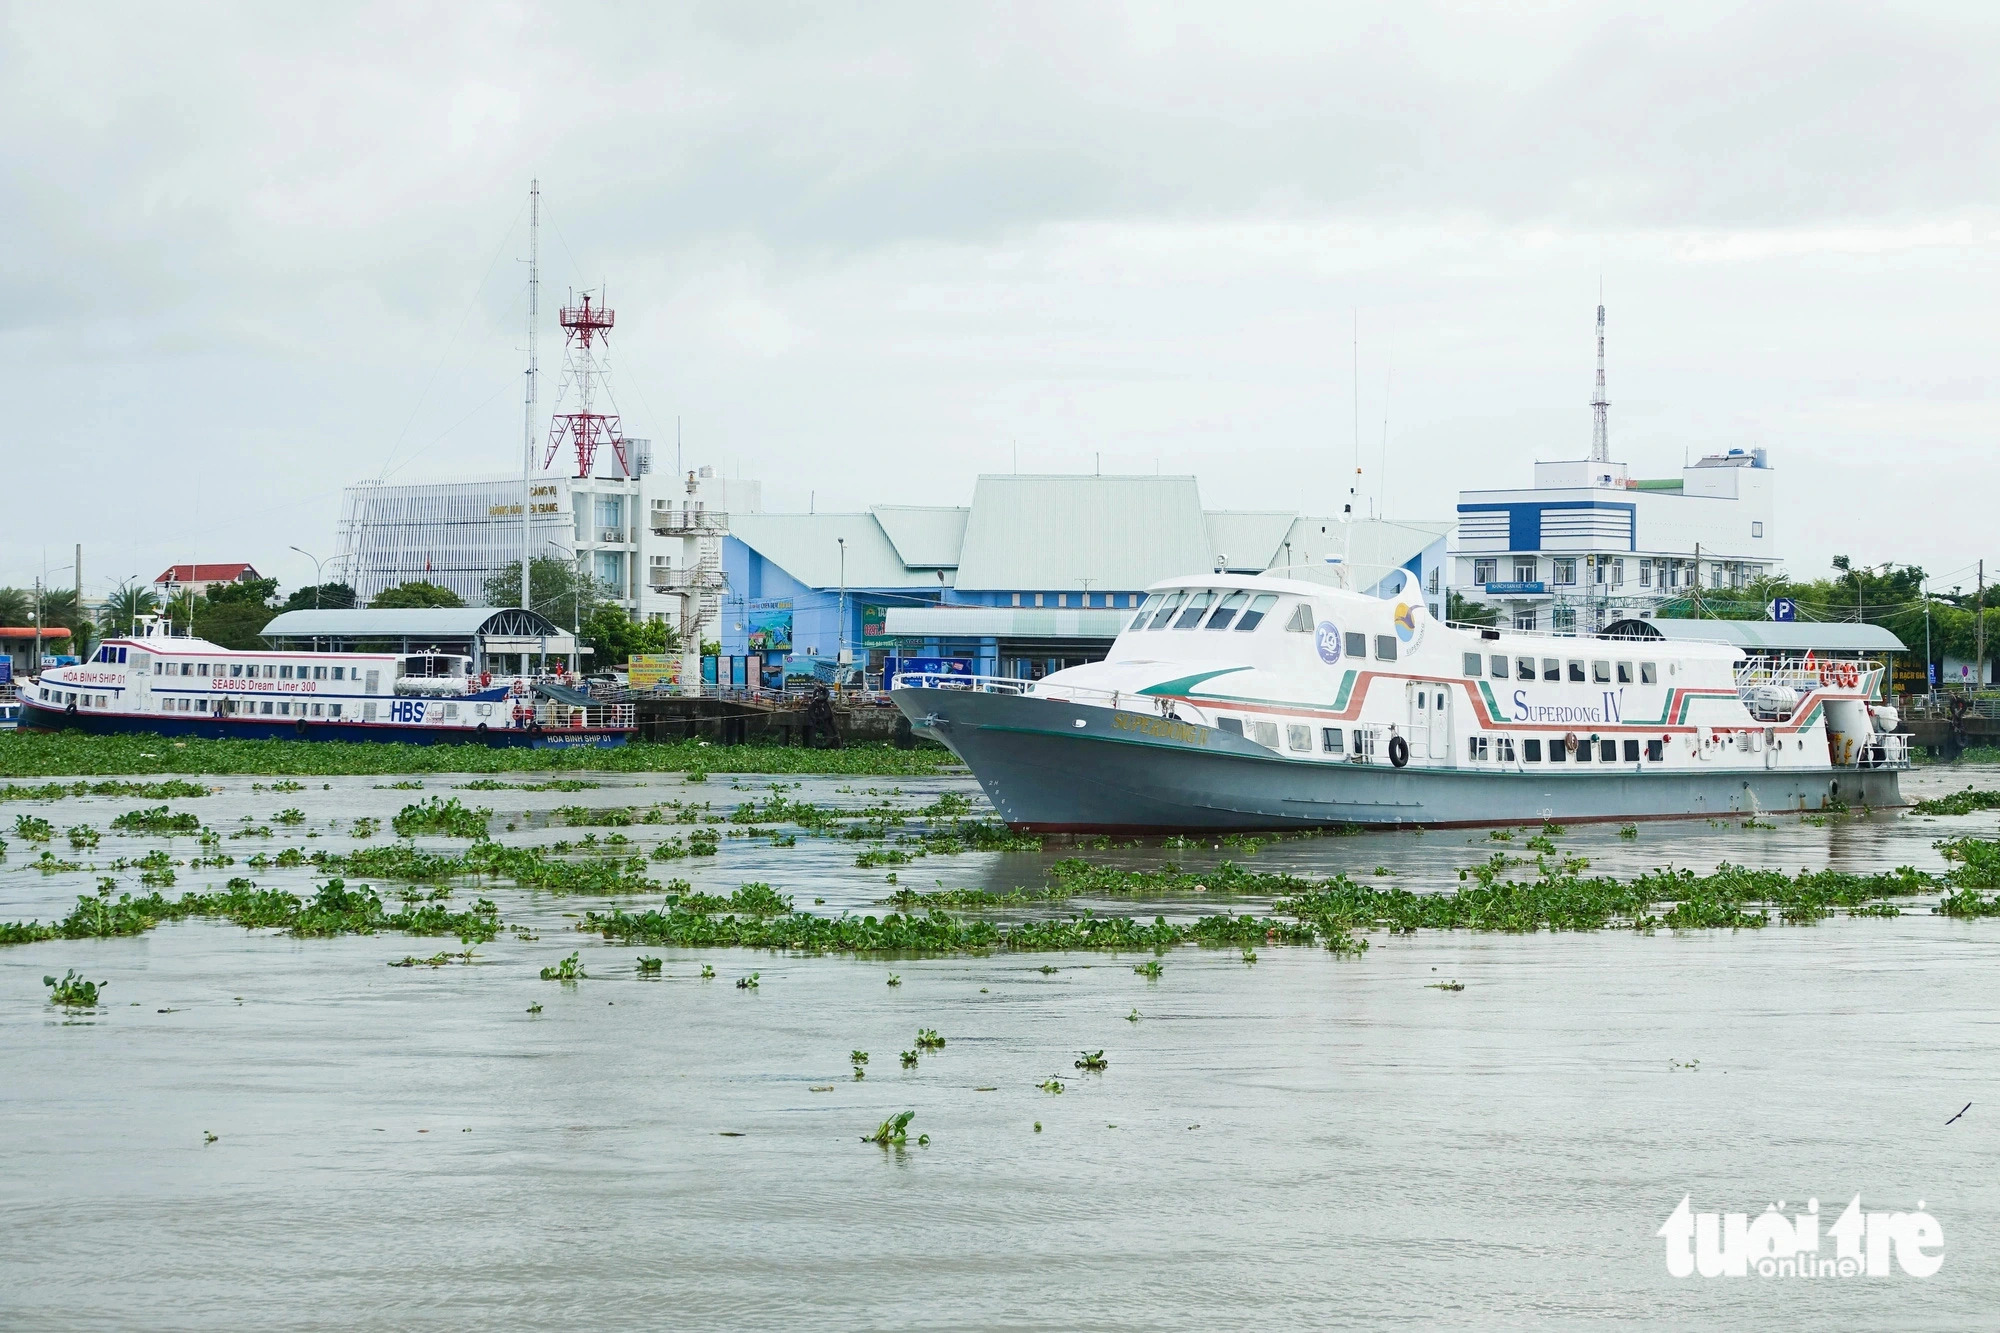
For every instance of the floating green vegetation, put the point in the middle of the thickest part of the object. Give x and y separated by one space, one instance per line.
148 791
649 966
1249 955
1446 985
1132 1017
33 828
1093 1062
749 982
893 1132
857 1058
557 784
288 785
610 816
881 856
909 1059
1969 801
82 837
157 820
72 991
435 960
365 826
895 980
707 972
530 867
1628 831
569 969
448 818
929 1040
1049 1084
1150 969
68 753
291 816
335 909
751 899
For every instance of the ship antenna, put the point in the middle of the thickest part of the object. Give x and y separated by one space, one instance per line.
528 409
1600 407
1347 538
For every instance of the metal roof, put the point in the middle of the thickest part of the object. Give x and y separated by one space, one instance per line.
1247 539
1055 531
1005 622
807 546
430 622
925 536
1795 636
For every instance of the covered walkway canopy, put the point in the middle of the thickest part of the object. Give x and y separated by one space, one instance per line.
1837 637
503 638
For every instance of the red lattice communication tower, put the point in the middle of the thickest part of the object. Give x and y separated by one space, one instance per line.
584 327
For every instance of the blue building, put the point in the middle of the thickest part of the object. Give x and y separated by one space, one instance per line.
1032 575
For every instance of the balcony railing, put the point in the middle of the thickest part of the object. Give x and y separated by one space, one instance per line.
698 578
671 520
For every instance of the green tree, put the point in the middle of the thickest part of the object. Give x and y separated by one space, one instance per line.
238 625
16 605
416 593
249 592
558 589
123 607
614 637
322 597
1462 611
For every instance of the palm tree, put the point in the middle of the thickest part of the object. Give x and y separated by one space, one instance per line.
123 608
15 606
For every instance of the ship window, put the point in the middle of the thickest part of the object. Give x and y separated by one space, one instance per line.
285 710
1265 734
1601 672
1552 668
1656 750
1524 668
319 673
1499 667
1558 752
1364 744
1576 671
1475 748
1474 664
1503 749
266 708
1357 645
1385 647
235 668
1299 738
1167 612
1648 673
121 654
1531 750
1608 751
1232 725
1302 619
1138 622
334 709
338 672
285 671
1631 752
1583 749
1624 673
1329 740
1226 609
1253 615
201 705
1197 605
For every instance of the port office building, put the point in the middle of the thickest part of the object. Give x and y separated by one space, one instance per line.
1037 572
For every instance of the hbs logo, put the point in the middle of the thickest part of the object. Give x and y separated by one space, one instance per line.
1327 640
406 710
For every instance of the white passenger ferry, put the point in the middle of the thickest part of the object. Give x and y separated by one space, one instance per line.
174 685
1263 702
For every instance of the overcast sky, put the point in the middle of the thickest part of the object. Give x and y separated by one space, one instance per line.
252 254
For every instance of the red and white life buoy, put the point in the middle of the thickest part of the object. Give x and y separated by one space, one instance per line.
1849 675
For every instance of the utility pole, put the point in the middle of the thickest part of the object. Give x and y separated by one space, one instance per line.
1979 630
528 410
38 625
1697 581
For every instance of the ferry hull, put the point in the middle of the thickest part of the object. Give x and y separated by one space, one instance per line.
1052 766
38 718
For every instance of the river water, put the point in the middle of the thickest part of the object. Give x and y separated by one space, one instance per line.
1306 1141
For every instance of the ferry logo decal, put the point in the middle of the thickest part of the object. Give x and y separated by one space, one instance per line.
1406 622
1327 640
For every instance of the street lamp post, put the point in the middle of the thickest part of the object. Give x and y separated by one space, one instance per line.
319 582
841 643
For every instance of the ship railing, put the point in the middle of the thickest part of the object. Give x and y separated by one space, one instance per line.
1798 674
1036 689
557 716
1885 750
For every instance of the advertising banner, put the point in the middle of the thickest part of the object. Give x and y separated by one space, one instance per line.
653 671
875 626
770 622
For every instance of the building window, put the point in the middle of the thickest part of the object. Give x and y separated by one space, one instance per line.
1299 737
1599 565
1617 573
1565 571
1757 528
1524 619
1038 602
1645 573
1329 740
1062 599
1484 571
1524 569
1715 576
1433 585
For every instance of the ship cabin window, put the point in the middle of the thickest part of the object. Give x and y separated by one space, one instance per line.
1552 668
284 710
1499 667
1608 751
1385 647
1166 612
1357 645
201 705
1601 672
1475 664
1253 615
1302 619
1232 725
1531 750
1649 673
1197 606
1476 748
285 671
1329 740
1624 673
334 709
1226 609
267 707
1656 751
1151 605
235 668
1299 738
1576 676
270 671
1364 744
1583 749
1265 734
1503 749
319 673
339 673
1631 752
1558 752
1524 668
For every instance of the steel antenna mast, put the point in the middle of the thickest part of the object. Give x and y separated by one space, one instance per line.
528 410
1600 407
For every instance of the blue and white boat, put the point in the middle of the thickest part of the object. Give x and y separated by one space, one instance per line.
176 685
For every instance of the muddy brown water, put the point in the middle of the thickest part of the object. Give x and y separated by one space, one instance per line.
1303 1141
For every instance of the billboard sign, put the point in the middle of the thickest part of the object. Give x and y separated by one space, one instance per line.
770 623
653 671
928 666
1784 610
875 626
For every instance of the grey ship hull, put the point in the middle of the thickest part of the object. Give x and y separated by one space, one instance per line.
1052 766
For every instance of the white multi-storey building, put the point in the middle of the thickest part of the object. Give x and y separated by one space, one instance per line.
1588 544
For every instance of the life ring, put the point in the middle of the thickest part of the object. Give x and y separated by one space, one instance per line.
1849 675
1399 751
69 709
1569 742
481 728
300 727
